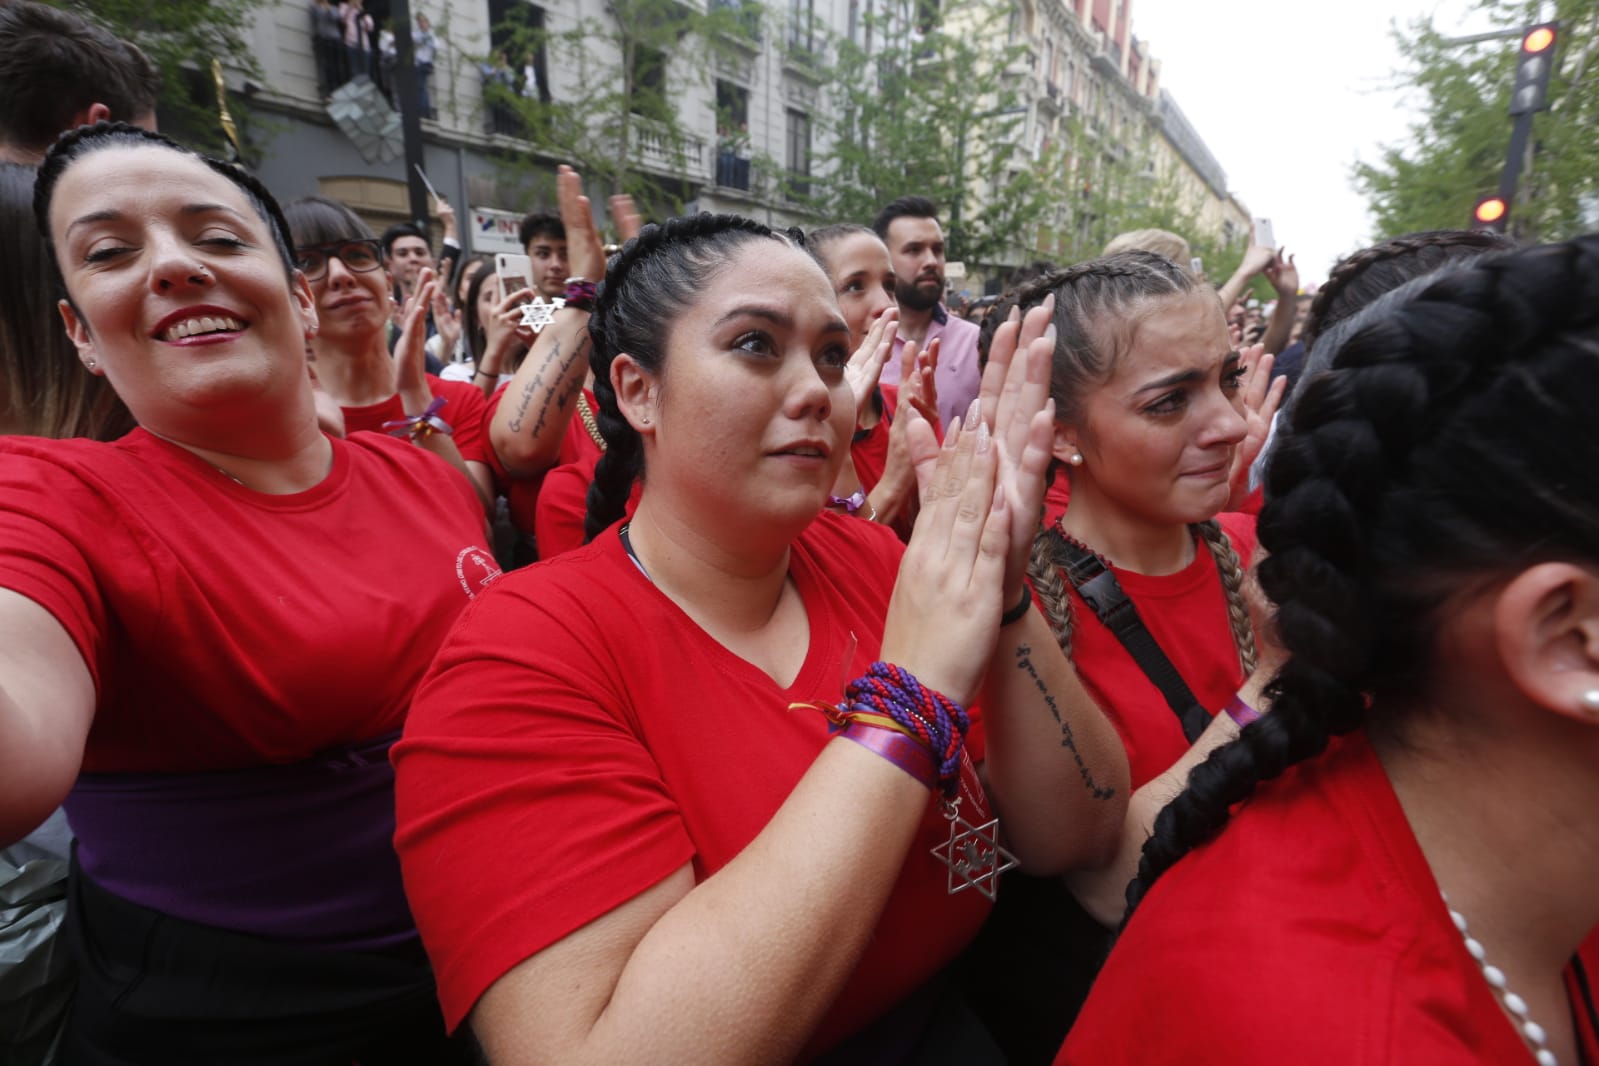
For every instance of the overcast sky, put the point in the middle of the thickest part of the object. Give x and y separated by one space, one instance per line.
1287 96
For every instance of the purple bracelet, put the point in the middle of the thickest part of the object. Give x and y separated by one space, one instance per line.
1241 712
904 752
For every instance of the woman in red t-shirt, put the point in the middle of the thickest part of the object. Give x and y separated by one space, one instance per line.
1419 888
213 629
353 288
627 829
1157 418
857 264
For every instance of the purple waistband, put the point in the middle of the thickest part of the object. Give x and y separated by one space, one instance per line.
302 852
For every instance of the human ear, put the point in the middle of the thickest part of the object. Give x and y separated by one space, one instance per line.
78 333
1063 445
1546 628
305 303
637 393
95 112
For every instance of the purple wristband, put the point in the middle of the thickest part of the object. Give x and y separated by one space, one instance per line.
1241 712
903 751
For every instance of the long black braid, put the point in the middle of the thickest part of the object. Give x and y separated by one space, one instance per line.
648 284
1452 439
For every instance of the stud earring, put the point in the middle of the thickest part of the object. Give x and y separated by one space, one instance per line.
1076 459
1590 701
88 364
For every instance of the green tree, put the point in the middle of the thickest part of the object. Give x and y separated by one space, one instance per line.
181 37
1457 147
626 134
928 111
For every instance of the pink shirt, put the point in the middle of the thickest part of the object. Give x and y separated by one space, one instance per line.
959 372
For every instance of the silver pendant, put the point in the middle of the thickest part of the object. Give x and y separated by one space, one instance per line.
540 312
973 854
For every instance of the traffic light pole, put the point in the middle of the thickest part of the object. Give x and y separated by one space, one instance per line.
1516 157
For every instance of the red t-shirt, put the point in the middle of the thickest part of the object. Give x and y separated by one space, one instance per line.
579 738
1186 613
463 410
522 494
869 449
1310 931
228 628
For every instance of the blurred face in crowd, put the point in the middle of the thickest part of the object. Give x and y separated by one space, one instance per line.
408 257
1157 437
916 247
464 283
179 296
547 254
863 279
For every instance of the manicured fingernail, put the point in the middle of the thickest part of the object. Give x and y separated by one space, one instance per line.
952 434
974 412
982 437
1049 303
1015 315
1051 334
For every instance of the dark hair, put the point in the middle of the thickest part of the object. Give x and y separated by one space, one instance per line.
44 389
1362 277
472 327
648 284
54 65
541 224
1451 440
818 241
75 144
398 230
904 207
319 220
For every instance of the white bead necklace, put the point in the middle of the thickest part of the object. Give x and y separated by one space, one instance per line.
1531 1031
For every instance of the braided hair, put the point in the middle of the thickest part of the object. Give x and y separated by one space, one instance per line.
655 278
75 144
1451 440
1362 277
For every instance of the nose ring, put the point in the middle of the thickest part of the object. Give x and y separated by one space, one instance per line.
200 276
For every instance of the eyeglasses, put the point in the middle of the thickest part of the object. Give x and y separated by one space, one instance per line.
359 256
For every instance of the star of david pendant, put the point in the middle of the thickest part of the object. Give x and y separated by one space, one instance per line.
540 312
973 854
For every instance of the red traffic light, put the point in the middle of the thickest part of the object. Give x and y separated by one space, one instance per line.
1538 39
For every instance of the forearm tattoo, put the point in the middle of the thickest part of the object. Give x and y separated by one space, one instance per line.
1024 663
560 399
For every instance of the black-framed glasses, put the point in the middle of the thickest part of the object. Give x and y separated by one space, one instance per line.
359 255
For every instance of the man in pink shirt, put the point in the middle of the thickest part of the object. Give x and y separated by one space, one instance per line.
909 226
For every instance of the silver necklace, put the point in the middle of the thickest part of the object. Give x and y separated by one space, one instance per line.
1531 1031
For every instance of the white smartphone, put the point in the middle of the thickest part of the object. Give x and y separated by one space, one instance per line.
1263 234
1196 267
515 271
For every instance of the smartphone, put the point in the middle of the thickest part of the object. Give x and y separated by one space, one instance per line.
1196 267
426 183
515 271
1263 234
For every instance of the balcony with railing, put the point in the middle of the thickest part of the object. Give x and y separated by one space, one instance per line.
657 148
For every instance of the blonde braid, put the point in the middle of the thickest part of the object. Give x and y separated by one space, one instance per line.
1045 567
1232 583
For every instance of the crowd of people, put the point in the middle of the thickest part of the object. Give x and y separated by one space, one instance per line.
348 43
715 648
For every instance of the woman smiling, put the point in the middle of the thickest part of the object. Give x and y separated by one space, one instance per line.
214 627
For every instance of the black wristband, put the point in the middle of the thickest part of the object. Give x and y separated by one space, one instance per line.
483 372
1018 612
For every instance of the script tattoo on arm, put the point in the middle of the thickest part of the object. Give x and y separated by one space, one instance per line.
1024 663
561 400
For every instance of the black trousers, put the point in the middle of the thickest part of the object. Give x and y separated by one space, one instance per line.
158 990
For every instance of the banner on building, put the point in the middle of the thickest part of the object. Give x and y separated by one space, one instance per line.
494 230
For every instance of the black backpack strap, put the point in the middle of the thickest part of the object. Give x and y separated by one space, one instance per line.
1103 593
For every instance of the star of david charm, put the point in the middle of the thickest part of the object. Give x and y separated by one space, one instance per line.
540 312
973 854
